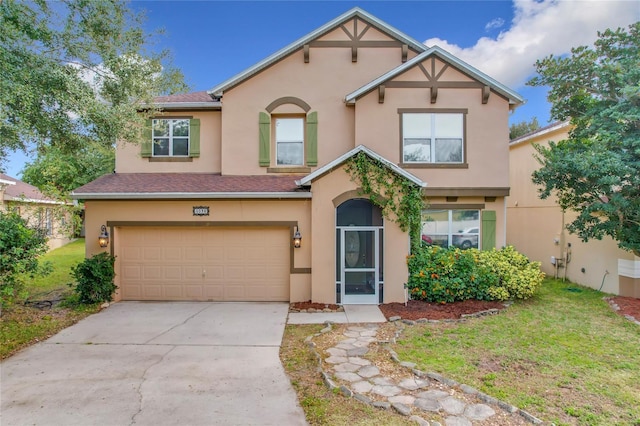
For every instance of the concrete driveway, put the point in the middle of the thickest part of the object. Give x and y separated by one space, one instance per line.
150 363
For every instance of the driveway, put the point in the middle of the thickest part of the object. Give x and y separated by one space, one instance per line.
150 363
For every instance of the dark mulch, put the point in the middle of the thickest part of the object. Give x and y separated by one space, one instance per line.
416 309
312 305
628 306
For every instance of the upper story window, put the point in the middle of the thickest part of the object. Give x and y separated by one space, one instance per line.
289 137
432 137
170 137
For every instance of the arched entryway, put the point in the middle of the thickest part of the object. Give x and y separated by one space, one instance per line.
359 262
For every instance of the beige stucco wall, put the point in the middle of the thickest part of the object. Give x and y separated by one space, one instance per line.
378 127
322 83
396 243
31 212
240 212
535 227
128 159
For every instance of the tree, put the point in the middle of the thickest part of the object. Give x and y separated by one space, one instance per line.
522 128
76 72
20 247
596 171
56 172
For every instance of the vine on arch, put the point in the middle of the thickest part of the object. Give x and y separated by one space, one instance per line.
399 199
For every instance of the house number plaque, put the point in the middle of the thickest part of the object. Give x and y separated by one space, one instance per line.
201 210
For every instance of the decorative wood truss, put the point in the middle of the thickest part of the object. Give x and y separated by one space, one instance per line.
433 83
355 41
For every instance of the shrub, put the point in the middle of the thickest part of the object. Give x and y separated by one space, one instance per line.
20 248
448 275
94 278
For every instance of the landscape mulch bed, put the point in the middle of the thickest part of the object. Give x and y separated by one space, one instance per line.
416 309
628 306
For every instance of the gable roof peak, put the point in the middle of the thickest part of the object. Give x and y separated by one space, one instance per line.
218 91
435 50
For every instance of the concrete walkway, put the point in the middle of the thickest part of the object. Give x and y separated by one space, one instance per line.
353 314
156 364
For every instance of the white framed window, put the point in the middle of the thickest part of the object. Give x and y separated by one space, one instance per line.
432 137
170 137
446 228
289 137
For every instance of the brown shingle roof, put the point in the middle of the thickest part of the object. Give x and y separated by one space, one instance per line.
186 183
185 97
22 191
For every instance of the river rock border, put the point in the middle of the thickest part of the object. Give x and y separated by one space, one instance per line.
466 389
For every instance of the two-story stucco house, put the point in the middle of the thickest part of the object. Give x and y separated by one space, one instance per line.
208 207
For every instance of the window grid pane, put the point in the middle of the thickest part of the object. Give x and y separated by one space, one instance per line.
171 137
289 141
432 137
445 228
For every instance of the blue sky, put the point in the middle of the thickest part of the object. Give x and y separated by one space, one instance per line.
211 41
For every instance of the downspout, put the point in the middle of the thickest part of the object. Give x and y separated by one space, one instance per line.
504 222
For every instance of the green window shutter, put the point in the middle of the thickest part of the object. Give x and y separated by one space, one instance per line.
264 139
312 139
146 142
488 229
194 137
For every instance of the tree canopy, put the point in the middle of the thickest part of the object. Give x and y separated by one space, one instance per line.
75 73
596 171
522 128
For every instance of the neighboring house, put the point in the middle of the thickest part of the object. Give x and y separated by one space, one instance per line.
38 210
536 227
208 207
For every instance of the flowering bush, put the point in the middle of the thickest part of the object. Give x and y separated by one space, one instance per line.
447 275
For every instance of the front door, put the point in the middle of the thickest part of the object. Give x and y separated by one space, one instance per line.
360 259
359 241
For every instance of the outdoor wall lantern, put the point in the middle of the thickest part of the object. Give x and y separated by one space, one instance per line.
103 239
297 238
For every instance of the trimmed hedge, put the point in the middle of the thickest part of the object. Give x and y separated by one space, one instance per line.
448 275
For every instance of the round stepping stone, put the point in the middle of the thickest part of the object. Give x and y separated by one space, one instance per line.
429 404
382 381
386 390
402 399
357 351
409 384
346 367
359 361
433 394
479 412
452 405
336 352
349 377
345 346
362 387
457 421
369 371
336 360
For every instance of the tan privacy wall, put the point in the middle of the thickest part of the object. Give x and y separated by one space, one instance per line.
163 239
536 228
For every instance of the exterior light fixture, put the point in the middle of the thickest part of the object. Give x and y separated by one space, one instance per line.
297 238
103 239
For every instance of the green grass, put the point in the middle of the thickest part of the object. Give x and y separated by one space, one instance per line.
564 356
61 259
21 326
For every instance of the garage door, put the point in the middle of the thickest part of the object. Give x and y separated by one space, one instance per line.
218 264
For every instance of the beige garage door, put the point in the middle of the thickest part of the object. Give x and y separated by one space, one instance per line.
219 264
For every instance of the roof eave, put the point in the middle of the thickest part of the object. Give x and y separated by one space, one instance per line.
513 97
306 181
187 195
218 90
174 106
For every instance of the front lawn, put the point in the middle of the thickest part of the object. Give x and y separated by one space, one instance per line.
22 325
562 355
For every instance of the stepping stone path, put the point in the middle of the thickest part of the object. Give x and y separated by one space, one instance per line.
410 396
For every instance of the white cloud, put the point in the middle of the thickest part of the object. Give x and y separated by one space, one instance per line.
538 29
493 24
